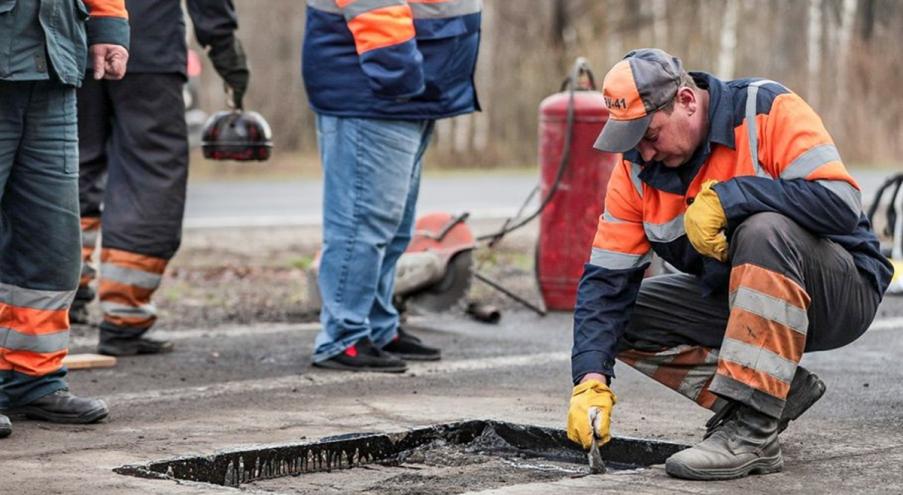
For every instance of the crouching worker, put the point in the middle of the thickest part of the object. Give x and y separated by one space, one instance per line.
45 46
738 185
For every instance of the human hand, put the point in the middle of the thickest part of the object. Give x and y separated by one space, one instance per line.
109 60
704 222
231 64
591 396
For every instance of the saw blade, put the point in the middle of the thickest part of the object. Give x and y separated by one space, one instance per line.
453 286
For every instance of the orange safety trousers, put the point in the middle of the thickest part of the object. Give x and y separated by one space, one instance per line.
790 292
126 283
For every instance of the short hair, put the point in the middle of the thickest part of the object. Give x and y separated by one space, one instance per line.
686 81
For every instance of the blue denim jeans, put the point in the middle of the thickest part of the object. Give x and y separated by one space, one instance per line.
371 171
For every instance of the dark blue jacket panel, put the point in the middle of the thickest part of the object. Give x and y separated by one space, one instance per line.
428 77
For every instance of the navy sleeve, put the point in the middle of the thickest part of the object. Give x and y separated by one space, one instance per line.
807 203
214 21
605 299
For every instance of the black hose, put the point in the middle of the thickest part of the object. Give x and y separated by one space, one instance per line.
580 67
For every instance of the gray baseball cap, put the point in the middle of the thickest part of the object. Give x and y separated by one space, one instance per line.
643 82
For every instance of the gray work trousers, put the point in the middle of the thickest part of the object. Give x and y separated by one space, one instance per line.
791 292
39 236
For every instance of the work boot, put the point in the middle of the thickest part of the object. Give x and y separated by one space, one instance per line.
78 314
119 346
364 356
747 443
6 428
805 390
78 311
63 407
411 348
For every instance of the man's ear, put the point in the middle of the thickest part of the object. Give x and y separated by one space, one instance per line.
686 98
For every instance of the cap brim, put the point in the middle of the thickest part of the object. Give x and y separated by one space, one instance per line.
619 136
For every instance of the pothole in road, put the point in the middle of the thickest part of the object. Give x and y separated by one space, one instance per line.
441 459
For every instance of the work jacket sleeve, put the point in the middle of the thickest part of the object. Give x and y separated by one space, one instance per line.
807 181
611 279
384 39
214 21
108 23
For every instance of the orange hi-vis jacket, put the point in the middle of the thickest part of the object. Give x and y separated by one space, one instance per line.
770 152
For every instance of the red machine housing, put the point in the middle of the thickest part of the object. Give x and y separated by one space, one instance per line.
568 223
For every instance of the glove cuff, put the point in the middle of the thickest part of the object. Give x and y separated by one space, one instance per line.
595 386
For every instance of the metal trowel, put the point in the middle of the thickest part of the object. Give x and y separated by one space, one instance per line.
596 464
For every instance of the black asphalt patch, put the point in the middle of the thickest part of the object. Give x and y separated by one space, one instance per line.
443 458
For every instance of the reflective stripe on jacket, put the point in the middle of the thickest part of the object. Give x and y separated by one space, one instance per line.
391 58
770 152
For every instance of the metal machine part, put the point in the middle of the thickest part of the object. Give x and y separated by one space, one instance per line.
237 135
435 272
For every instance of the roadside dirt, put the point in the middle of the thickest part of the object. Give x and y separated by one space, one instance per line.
260 275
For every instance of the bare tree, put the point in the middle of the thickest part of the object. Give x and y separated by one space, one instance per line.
814 52
727 56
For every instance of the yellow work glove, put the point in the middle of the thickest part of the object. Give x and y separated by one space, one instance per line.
704 223
591 394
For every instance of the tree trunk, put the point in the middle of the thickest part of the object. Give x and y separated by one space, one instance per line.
844 39
727 52
814 53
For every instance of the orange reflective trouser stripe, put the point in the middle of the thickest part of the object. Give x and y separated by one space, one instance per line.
759 326
34 329
686 369
765 336
127 282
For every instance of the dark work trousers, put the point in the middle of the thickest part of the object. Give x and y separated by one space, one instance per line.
39 236
134 168
790 292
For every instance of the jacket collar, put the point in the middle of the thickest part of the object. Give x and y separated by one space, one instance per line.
721 131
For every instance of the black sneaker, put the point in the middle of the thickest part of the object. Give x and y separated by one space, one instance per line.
63 407
6 428
364 356
133 346
408 347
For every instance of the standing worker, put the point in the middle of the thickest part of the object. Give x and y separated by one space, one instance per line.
378 74
739 186
44 47
134 164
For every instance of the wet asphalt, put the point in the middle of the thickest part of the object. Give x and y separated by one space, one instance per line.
232 387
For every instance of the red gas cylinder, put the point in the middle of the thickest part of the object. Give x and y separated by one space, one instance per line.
568 223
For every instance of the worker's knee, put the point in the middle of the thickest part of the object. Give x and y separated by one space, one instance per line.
765 234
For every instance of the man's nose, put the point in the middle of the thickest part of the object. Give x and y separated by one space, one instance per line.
646 151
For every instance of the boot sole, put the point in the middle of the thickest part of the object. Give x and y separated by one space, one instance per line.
89 417
762 465
106 351
344 367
